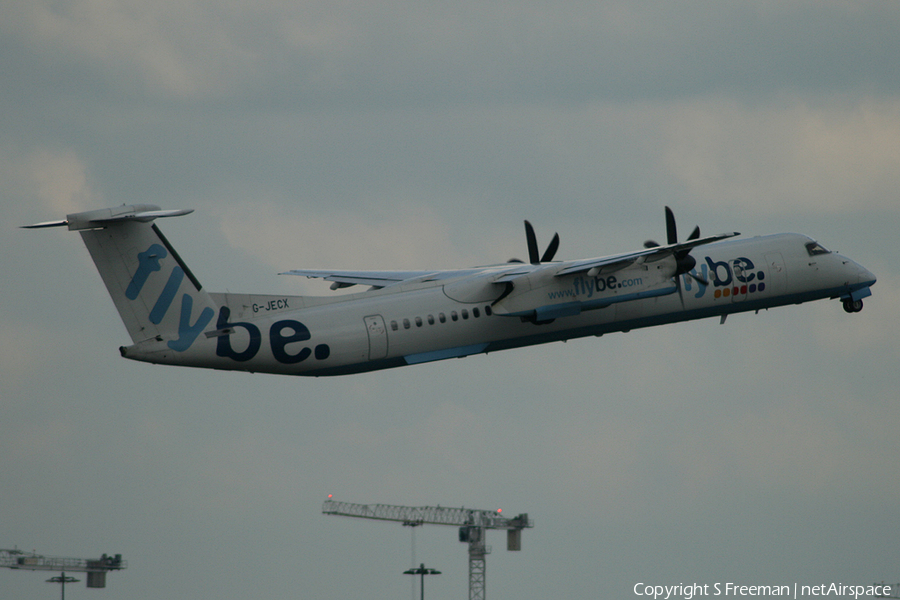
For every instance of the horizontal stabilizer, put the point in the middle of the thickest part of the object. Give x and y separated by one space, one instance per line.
145 216
142 213
62 223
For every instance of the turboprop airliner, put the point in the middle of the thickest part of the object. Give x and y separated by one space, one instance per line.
412 317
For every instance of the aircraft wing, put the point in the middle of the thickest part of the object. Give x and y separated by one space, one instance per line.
506 273
608 264
379 279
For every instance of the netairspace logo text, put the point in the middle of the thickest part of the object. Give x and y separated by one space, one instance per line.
687 591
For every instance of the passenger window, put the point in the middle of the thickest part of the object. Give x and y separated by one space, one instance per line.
465 314
431 319
454 316
405 323
418 321
394 326
487 310
475 312
815 248
442 317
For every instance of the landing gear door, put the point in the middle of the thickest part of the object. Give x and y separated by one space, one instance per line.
378 343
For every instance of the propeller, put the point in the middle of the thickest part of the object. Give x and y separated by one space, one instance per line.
533 257
684 262
683 259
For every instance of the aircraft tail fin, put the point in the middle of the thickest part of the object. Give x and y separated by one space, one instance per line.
155 293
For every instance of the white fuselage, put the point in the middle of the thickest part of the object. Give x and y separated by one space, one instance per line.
424 321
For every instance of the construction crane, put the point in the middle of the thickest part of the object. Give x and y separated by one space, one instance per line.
472 524
96 568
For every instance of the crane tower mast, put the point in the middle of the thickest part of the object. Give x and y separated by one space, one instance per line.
472 525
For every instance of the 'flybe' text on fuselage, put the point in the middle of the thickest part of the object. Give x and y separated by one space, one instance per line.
736 277
282 333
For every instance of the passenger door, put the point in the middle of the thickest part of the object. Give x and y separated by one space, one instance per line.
378 342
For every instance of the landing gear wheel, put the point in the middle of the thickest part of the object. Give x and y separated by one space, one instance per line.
853 306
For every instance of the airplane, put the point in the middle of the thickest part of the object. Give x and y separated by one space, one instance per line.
414 317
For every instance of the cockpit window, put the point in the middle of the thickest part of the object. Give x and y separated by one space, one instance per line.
815 248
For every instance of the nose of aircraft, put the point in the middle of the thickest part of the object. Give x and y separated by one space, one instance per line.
865 275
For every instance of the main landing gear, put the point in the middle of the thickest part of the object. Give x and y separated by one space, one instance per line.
853 306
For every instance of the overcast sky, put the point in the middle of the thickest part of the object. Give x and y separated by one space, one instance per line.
351 134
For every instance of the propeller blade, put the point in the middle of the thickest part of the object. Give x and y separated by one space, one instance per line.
698 279
550 252
671 232
533 256
651 244
695 233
